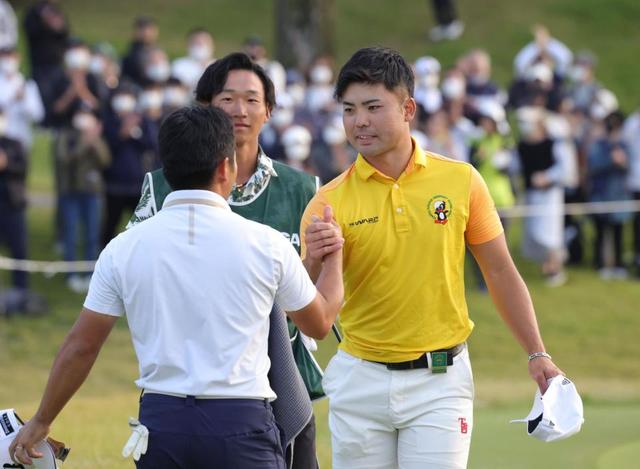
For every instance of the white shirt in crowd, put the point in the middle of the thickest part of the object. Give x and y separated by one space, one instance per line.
560 53
22 106
197 284
631 135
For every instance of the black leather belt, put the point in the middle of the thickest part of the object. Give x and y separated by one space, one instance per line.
422 361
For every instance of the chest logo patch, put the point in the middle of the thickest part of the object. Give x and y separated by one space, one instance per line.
440 209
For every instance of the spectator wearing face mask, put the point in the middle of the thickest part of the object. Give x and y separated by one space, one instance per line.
132 150
319 96
81 155
145 37
608 166
543 45
13 202
74 87
47 32
19 99
200 53
174 96
281 119
104 66
331 154
296 141
426 93
157 69
454 95
477 69
535 87
491 153
441 140
543 169
631 136
582 84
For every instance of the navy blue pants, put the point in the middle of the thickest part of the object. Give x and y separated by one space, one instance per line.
13 232
209 434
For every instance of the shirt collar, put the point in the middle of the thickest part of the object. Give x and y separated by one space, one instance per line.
418 158
257 182
195 196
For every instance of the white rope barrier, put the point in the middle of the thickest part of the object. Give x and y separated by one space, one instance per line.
586 208
50 268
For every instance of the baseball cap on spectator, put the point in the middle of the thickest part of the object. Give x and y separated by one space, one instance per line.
557 414
540 72
604 103
492 109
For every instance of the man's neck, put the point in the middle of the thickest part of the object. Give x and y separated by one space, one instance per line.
247 159
393 162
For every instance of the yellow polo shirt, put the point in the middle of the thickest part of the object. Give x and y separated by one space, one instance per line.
404 253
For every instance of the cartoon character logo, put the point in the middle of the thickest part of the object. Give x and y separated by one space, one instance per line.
440 209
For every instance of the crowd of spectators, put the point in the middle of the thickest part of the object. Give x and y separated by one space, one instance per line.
555 135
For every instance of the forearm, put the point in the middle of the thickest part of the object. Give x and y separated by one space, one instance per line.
330 286
69 371
512 299
313 268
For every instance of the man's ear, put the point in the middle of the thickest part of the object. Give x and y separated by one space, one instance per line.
409 108
224 171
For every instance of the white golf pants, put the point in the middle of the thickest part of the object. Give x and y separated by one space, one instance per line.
405 419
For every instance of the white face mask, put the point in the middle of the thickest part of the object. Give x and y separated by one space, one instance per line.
158 72
96 66
577 74
297 92
9 65
429 80
321 75
334 135
453 88
319 98
200 52
123 103
77 59
175 97
297 152
150 100
83 122
282 118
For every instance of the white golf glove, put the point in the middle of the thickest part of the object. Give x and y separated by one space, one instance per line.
137 443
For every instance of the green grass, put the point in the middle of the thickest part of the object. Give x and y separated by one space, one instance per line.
589 326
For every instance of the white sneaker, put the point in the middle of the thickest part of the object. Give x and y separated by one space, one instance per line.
454 30
556 280
619 273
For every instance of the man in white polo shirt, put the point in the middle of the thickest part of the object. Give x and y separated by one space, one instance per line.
200 321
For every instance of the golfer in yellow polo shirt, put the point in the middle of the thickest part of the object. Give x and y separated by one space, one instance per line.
400 386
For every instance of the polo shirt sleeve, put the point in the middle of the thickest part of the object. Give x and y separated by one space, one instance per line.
295 288
314 207
104 294
484 223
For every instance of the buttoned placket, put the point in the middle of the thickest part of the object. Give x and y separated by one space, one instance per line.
399 207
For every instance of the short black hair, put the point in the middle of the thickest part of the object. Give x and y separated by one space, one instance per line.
193 141
374 65
144 21
614 121
213 79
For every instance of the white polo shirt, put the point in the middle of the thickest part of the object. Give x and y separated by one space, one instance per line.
197 283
